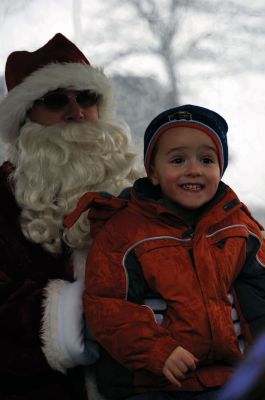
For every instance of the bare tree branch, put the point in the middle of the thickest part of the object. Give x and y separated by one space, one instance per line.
230 33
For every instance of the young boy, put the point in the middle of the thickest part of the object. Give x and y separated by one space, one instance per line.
183 235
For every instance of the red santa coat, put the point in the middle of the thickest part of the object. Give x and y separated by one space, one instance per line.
25 270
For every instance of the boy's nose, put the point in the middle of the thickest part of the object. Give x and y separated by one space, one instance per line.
194 168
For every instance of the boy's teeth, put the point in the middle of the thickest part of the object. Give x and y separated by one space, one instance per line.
191 187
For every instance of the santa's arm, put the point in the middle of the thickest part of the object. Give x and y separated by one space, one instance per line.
67 342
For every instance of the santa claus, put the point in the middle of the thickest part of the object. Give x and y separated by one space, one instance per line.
63 139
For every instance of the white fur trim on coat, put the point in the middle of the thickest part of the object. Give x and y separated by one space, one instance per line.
62 329
20 99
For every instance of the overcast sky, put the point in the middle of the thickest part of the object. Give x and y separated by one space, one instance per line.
240 99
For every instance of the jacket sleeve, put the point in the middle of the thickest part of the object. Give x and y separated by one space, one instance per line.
67 342
20 313
25 270
128 331
250 284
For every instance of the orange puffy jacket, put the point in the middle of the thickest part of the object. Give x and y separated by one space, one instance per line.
145 248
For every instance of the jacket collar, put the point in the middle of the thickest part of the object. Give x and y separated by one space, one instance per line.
150 199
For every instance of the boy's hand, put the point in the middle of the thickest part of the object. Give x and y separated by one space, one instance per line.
178 364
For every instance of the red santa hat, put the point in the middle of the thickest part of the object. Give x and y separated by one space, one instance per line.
30 75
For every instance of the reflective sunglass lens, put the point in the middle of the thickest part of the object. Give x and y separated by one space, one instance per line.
86 98
55 101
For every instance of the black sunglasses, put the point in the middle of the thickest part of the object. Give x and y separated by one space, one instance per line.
57 100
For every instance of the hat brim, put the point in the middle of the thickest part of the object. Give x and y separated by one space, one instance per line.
189 124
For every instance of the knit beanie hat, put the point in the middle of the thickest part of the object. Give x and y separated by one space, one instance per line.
190 116
30 75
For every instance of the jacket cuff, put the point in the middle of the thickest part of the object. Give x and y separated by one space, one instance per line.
160 353
62 328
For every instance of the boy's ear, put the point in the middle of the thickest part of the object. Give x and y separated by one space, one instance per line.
153 176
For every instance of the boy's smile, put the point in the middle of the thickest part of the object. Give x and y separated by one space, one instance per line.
186 167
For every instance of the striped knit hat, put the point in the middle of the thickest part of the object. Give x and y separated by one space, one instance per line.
190 116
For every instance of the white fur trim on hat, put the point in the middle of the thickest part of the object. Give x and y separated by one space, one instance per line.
20 99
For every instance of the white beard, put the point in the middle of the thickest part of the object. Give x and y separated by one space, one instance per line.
56 165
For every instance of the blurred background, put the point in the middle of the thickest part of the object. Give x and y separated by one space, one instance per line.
163 53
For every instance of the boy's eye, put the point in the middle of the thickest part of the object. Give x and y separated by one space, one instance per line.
177 160
207 160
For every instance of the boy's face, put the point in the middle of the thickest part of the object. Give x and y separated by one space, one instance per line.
186 167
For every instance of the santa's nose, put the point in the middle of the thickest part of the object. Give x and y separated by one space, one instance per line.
73 111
